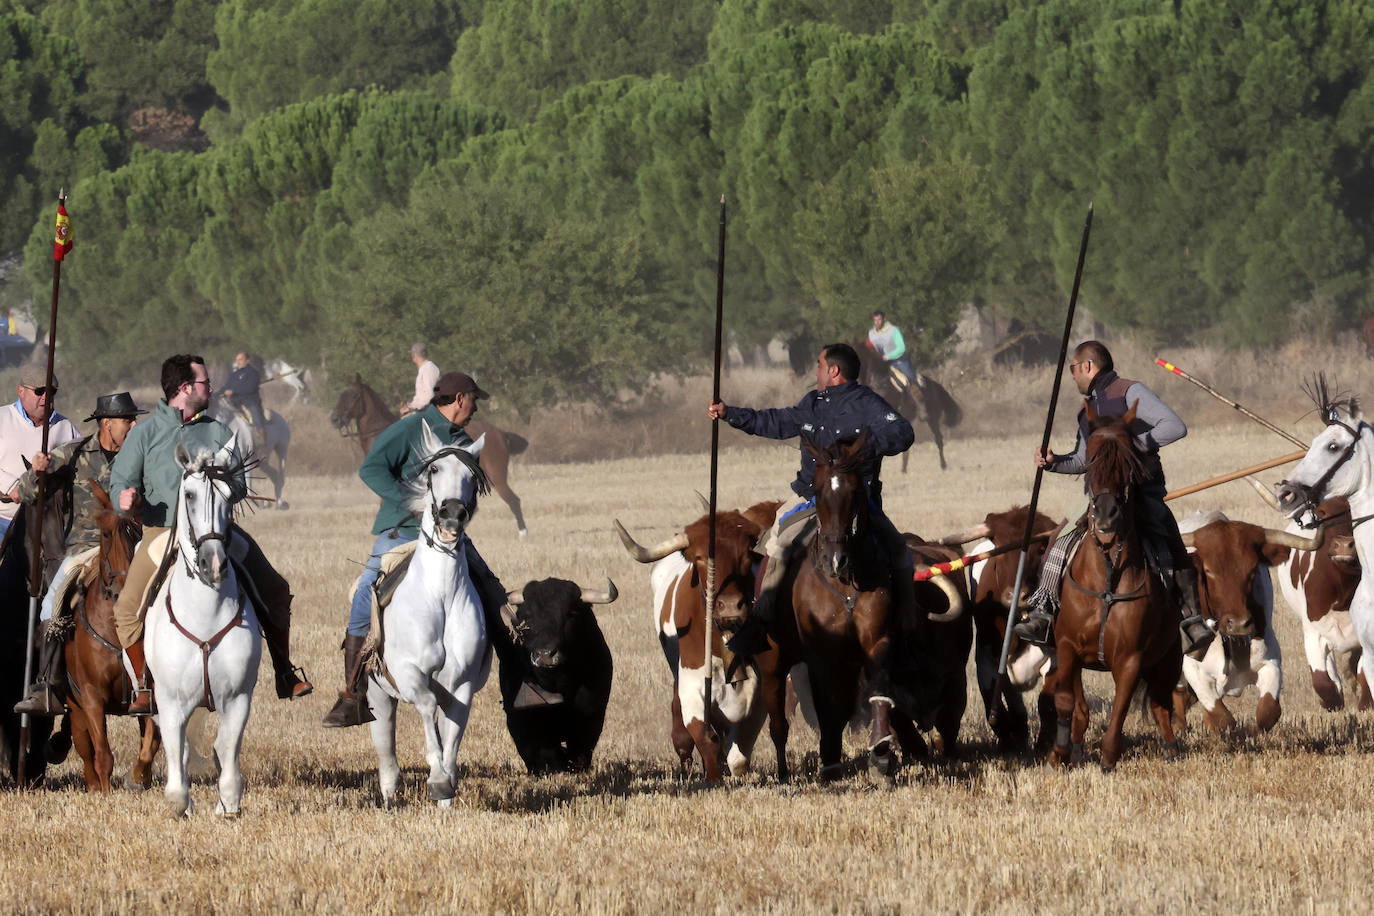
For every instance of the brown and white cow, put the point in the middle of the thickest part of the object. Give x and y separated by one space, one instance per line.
678 579
1237 597
1319 588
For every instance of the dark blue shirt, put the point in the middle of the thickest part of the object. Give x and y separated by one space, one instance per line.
244 383
839 412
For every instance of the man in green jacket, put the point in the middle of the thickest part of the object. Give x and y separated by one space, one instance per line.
146 468
390 465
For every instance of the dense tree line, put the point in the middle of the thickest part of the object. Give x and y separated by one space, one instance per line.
532 185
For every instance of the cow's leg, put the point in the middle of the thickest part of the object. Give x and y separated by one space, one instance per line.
1202 676
1012 724
1183 698
740 747
682 739
1269 681
691 697
1125 674
1326 677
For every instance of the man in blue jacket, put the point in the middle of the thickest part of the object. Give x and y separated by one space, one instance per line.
839 408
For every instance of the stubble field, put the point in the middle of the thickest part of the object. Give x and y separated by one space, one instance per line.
1274 823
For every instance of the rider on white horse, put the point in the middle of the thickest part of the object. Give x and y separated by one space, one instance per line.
391 464
242 389
146 467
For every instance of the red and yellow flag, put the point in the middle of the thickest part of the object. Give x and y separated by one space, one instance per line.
62 245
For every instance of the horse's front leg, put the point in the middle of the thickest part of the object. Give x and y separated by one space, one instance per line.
101 762
172 720
233 719
1125 674
383 729
419 686
1066 686
150 739
455 706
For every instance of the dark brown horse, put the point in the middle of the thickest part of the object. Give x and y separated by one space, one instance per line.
97 683
361 413
1114 615
842 605
925 402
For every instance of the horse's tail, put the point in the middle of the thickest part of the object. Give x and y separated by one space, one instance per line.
951 414
515 443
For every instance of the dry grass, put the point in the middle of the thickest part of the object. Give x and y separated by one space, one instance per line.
1273 823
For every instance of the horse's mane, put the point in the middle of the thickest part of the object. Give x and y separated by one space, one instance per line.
1113 461
419 499
833 456
1329 405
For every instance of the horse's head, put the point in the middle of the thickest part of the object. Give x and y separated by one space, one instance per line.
351 407
118 536
1327 469
447 486
841 502
205 509
1113 466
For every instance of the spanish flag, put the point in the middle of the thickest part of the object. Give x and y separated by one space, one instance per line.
62 245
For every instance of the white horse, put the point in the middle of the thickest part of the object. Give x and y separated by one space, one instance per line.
297 379
276 440
434 652
1340 462
202 638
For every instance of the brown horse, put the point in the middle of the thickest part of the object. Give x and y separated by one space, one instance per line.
927 401
97 683
361 413
1114 614
842 605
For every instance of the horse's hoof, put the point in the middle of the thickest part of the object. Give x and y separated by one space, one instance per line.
439 791
1172 749
445 803
283 504
1108 770
1076 756
226 814
524 532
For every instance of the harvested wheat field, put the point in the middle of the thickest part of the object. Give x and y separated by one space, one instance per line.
1271 823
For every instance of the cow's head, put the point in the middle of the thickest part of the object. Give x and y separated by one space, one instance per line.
736 535
1004 529
1228 556
548 615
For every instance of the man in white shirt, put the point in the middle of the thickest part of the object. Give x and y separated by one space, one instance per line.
425 379
21 435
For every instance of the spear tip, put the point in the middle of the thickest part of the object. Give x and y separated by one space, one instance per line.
722 198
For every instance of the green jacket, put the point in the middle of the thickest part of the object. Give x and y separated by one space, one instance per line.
148 463
394 460
74 465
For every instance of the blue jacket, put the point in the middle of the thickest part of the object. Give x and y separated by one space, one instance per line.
839 412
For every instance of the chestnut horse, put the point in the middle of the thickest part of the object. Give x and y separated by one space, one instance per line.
97 683
927 401
842 605
1114 615
361 413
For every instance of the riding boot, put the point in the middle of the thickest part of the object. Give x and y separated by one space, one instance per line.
1036 627
1197 636
290 679
351 707
43 698
143 703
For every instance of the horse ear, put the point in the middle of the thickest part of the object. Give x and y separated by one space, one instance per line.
857 447
1130 414
811 447
182 455
102 496
1088 410
475 449
225 456
428 440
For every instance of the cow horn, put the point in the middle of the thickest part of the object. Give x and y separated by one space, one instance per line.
705 503
1265 494
515 597
1276 538
976 533
1188 538
605 596
649 555
956 600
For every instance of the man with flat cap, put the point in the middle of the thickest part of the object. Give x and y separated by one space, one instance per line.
72 466
21 435
391 464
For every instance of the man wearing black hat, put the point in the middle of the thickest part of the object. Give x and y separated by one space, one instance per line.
72 466
390 465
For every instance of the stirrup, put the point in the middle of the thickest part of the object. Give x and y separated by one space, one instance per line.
139 708
41 700
293 684
349 711
1197 646
1036 628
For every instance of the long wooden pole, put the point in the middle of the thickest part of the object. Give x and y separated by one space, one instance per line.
715 466
36 546
1170 367
1234 475
994 711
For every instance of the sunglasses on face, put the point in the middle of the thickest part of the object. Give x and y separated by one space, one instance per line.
42 390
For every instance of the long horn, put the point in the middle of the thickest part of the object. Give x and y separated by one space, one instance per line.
1188 539
515 597
705 503
1265 494
605 596
956 600
976 533
1296 541
652 554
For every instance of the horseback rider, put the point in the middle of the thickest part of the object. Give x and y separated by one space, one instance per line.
21 435
389 468
426 378
74 466
146 467
840 407
886 340
1156 426
243 389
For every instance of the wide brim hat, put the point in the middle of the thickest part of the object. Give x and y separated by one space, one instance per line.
452 384
115 405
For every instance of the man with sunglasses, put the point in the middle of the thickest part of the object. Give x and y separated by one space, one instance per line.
391 464
1155 426
21 435
145 471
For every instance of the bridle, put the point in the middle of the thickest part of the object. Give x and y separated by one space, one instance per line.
480 486
216 473
1311 493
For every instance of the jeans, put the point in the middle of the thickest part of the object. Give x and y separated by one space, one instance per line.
360 612
59 579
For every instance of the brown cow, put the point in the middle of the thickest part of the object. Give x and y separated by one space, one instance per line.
678 579
1367 335
1236 592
